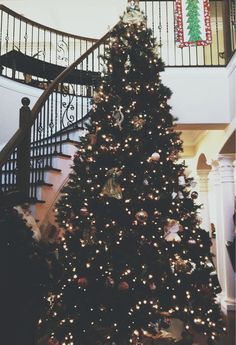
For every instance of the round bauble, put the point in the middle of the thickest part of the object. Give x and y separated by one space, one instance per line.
138 122
194 195
154 157
123 286
84 211
141 216
83 281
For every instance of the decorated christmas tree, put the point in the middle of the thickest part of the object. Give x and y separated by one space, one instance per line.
134 253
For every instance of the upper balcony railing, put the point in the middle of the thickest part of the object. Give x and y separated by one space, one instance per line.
18 33
161 18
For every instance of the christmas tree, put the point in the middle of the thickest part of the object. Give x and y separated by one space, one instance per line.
134 253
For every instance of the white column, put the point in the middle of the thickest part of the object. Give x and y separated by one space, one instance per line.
203 180
217 220
226 171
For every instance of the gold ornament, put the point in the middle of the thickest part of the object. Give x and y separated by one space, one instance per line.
178 265
141 216
138 122
111 188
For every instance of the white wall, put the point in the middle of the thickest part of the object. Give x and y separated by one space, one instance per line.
200 95
11 94
231 69
89 18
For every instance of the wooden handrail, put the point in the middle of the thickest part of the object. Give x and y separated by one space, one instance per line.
44 27
20 133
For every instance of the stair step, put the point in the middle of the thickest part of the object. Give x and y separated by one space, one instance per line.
36 201
41 184
49 155
46 169
47 143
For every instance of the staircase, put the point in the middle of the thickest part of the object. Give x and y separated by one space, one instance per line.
37 159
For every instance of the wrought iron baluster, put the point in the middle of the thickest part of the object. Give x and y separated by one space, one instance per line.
56 118
174 34
217 34
167 32
13 32
26 38
32 41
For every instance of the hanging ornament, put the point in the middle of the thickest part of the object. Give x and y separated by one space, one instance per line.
141 216
178 195
181 180
123 286
138 122
118 116
83 282
145 182
111 188
154 157
178 265
109 282
84 212
194 195
171 230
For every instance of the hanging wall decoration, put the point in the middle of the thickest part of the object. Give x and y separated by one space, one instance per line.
193 24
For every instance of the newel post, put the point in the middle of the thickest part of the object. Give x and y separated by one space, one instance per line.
23 150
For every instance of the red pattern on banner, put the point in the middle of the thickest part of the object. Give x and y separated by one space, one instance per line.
181 43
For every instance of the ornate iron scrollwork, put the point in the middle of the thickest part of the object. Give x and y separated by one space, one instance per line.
68 117
63 52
